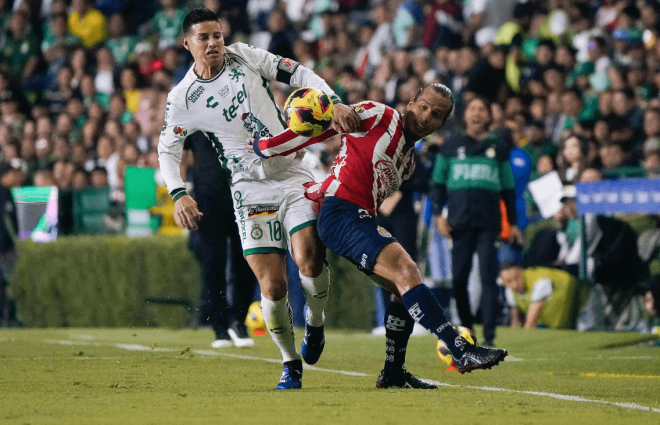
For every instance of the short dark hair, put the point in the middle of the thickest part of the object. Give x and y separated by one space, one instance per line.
511 265
443 90
200 14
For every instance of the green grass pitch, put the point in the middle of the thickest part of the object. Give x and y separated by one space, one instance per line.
160 376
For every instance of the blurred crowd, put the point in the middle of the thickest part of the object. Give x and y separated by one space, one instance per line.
83 83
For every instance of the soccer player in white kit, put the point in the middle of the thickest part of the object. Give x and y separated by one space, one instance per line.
225 94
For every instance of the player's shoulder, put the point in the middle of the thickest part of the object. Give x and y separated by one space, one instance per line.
369 107
244 51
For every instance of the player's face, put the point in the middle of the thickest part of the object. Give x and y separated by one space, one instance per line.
206 44
512 278
427 113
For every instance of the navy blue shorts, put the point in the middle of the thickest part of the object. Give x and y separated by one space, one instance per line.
351 231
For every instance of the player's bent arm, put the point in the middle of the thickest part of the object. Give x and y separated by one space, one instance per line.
532 318
286 143
516 320
284 70
170 148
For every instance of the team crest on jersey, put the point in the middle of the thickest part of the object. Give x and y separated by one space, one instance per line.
359 109
383 232
181 132
236 73
253 126
223 92
256 232
490 152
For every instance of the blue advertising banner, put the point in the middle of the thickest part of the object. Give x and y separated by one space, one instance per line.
619 196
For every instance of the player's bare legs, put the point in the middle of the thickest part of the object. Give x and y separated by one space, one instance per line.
395 264
270 270
309 255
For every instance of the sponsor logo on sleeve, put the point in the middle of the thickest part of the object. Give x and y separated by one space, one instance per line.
288 65
181 132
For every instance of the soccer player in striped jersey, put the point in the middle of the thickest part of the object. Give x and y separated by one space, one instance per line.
371 165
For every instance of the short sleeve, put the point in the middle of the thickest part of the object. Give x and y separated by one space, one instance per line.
542 290
510 300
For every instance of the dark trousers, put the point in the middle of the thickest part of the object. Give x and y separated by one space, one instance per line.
4 305
227 292
465 243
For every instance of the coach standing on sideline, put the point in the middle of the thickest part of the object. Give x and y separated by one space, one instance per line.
225 298
472 173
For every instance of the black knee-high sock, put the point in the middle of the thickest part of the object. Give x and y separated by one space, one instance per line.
426 310
398 327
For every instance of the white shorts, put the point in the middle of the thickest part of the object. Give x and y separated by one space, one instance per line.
269 211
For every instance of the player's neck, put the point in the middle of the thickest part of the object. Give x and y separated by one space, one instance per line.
207 71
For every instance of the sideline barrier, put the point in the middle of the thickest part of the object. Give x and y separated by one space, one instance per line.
108 281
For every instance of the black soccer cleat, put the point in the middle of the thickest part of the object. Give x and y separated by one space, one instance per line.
475 357
402 380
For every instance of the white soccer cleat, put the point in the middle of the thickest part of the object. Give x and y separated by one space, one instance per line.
221 343
419 330
240 339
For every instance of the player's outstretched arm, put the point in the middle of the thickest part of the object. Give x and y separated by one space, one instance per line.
290 72
285 143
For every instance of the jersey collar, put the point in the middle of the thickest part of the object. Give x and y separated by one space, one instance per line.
201 80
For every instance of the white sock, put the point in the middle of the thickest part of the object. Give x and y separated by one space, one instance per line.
316 292
279 321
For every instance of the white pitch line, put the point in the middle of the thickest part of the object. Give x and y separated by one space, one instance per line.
307 367
552 395
137 347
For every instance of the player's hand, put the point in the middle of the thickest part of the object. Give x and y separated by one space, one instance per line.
346 119
443 226
516 236
186 213
250 147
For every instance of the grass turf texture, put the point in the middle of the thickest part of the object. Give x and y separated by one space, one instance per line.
64 376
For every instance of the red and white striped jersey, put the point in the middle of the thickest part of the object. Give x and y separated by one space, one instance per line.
371 164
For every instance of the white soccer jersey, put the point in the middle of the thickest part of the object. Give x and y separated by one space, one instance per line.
228 108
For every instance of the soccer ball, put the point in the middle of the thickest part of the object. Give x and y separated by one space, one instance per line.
308 112
255 320
443 350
